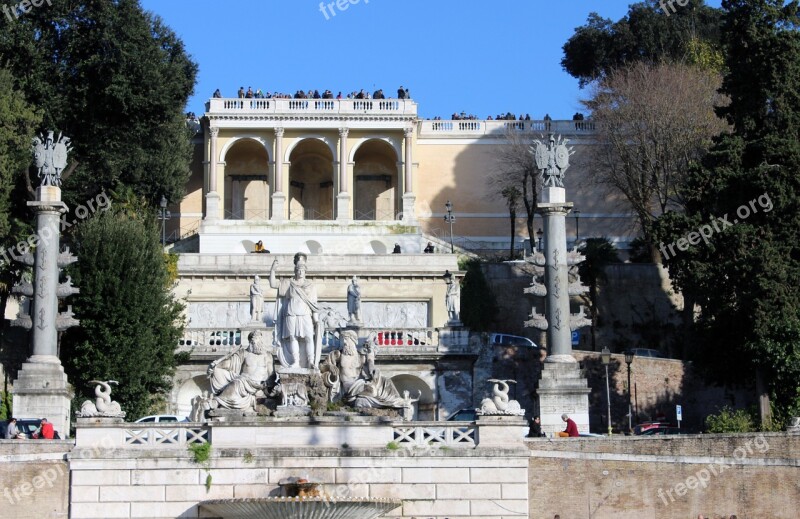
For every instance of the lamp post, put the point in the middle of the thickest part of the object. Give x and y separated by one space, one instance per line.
577 213
163 216
628 360
605 357
449 218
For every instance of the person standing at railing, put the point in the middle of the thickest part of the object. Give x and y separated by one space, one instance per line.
240 93
401 93
217 94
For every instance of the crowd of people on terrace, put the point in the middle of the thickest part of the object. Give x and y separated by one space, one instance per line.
503 117
402 93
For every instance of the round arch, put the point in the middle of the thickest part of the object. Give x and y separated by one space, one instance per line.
323 139
257 138
190 388
423 409
246 177
311 181
394 143
376 181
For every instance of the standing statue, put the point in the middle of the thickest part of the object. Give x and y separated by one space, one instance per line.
103 406
238 376
452 298
552 160
256 300
51 158
351 377
354 301
298 327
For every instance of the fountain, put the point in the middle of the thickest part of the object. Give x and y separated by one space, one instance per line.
301 500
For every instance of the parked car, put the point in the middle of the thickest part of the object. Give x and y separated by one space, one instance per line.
591 435
646 426
162 418
646 352
662 430
463 415
504 339
26 426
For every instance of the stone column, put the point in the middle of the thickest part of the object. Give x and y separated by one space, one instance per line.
212 197
278 196
343 198
409 199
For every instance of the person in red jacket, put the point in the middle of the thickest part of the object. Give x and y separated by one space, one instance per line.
572 427
45 430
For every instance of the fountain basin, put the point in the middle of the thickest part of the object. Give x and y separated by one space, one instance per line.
299 508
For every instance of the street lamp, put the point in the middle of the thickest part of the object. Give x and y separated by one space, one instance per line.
577 213
605 357
539 235
628 360
164 215
449 218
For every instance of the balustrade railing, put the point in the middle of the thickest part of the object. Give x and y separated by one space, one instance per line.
480 127
433 434
334 106
403 337
174 436
210 340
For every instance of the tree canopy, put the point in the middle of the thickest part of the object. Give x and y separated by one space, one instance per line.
745 196
646 33
114 79
130 321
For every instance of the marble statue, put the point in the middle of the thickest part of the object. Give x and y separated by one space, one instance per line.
237 377
51 157
452 298
200 404
354 301
352 377
256 300
293 393
552 160
298 327
500 404
408 410
103 406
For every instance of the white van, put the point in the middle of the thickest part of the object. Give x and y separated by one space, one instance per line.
504 339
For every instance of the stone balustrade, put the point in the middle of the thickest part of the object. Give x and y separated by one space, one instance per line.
436 434
480 128
312 106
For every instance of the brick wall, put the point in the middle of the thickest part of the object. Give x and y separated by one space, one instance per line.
751 475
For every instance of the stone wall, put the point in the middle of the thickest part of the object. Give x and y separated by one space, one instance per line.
750 475
34 479
431 482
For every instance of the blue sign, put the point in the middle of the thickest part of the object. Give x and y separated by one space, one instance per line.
679 412
576 338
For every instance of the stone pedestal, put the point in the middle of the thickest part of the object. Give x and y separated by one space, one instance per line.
278 207
409 201
343 208
212 207
41 391
501 430
563 389
453 337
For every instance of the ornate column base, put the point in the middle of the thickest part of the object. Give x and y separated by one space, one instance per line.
278 207
212 207
562 389
409 200
343 208
42 391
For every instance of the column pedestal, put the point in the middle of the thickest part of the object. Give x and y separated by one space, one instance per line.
563 389
212 207
278 207
409 200
41 390
343 208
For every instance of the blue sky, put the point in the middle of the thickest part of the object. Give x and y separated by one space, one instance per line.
481 57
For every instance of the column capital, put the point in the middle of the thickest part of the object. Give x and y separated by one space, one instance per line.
408 132
214 131
279 132
344 132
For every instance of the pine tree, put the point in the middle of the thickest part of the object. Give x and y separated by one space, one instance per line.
130 321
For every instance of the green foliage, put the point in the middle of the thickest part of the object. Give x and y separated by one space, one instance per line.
5 405
116 80
171 265
478 304
646 33
746 277
248 457
393 446
201 453
130 321
730 421
402 229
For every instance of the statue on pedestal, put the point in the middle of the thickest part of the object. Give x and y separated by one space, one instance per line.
103 406
552 160
500 404
50 157
352 378
452 298
237 377
298 327
354 302
256 300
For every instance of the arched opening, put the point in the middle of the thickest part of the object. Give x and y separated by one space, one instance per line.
189 389
311 191
375 174
425 408
247 181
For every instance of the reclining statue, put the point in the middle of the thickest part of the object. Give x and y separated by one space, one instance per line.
237 377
